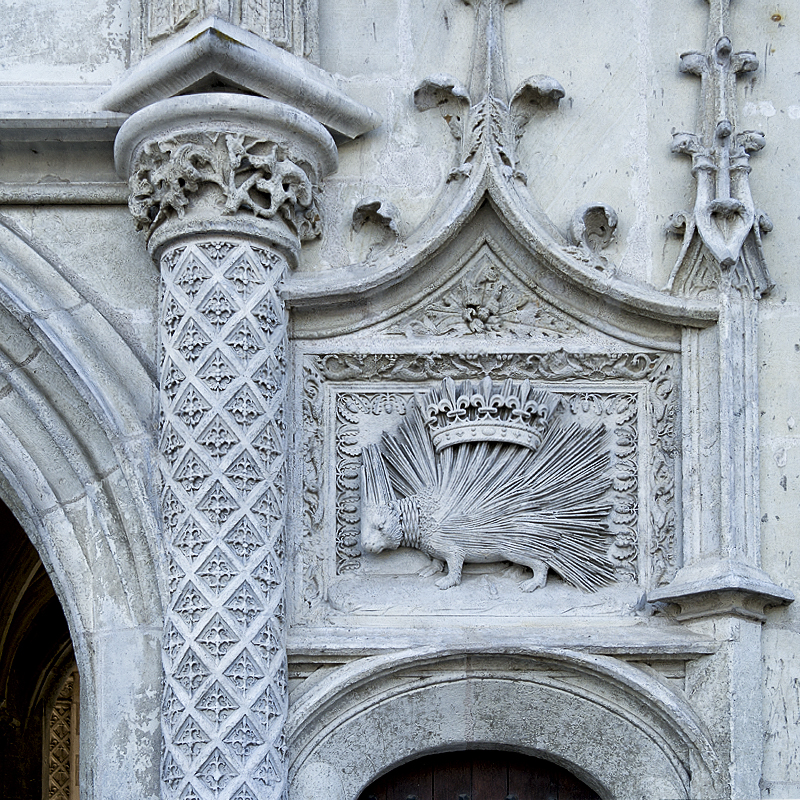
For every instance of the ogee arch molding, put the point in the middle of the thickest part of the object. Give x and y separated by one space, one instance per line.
76 407
619 730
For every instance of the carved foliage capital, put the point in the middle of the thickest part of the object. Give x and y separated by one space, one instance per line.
223 173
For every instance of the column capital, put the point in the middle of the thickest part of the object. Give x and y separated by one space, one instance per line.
227 164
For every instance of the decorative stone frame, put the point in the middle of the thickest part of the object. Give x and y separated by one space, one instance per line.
636 394
618 729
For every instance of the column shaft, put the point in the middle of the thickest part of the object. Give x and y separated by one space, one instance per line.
223 386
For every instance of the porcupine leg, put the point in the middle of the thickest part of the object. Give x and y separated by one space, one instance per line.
453 577
539 578
431 569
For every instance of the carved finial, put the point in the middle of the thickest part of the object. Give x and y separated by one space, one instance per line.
482 117
724 216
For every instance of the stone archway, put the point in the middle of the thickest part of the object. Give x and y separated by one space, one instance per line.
37 660
618 730
75 400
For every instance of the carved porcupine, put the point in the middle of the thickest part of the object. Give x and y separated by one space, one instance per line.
481 475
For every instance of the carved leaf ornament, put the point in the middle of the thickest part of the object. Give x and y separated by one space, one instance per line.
485 473
250 174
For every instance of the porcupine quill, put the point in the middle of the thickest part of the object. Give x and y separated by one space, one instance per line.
479 500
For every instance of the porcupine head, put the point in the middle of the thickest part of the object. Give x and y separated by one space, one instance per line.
380 528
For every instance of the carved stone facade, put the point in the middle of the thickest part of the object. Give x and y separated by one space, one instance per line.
350 433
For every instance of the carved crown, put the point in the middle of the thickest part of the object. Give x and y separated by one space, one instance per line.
488 412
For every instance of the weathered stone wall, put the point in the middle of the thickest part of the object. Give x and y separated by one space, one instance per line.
80 360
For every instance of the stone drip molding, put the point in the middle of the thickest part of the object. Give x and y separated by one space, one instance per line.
487 121
724 223
225 188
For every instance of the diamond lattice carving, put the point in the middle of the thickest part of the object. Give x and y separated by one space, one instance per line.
190 605
191 539
243 539
192 472
244 407
244 605
245 274
192 408
243 739
217 638
223 387
191 672
244 473
190 793
171 772
218 438
217 772
244 673
171 708
244 793
173 641
217 571
62 741
171 444
217 704
171 379
218 307
191 273
217 373
218 505
191 738
192 342
267 707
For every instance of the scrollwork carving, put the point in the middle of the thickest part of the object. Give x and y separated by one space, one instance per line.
247 174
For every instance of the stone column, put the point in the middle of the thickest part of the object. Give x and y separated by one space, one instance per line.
224 186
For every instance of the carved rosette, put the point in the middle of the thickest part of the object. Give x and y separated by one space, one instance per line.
224 186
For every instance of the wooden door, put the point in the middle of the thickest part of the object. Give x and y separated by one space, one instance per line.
478 775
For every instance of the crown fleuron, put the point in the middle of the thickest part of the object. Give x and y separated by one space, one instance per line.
510 412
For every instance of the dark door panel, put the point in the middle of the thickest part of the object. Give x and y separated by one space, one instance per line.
479 775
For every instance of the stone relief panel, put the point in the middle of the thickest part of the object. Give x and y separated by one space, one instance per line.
350 403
